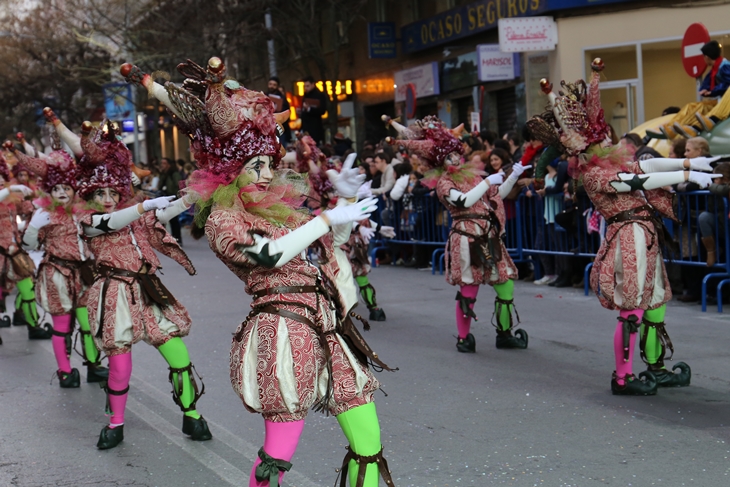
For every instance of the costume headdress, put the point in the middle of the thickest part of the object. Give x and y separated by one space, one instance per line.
58 167
429 139
106 162
228 123
575 118
4 172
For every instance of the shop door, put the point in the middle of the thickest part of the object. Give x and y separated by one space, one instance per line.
618 100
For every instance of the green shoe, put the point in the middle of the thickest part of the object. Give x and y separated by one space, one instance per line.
506 340
666 378
645 385
467 345
110 437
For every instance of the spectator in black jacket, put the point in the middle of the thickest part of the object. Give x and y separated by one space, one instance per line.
276 92
314 105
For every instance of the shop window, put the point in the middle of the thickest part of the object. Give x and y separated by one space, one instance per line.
506 110
459 72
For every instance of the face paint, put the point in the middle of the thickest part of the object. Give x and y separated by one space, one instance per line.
107 198
453 159
63 193
258 168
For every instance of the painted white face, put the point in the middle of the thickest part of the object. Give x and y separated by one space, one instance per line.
453 159
63 193
107 197
258 168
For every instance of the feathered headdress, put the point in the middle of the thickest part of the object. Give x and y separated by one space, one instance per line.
575 119
58 167
429 139
106 162
4 172
228 123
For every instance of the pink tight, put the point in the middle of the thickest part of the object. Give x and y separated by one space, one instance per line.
61 324
280 443
463 323
120 371
624 367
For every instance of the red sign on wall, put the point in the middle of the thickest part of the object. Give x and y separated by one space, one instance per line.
695 37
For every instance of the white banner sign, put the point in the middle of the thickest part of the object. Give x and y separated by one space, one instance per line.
425 80
475 119
528 34
495 65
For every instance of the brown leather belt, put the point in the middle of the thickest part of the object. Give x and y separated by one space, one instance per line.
151 286
286 290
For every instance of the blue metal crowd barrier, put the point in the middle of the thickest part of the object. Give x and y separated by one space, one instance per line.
531 231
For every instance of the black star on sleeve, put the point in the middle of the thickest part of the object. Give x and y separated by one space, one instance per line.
103 224
264 258
636 183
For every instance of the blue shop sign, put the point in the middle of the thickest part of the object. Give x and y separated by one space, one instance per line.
565 4
381 40
465 21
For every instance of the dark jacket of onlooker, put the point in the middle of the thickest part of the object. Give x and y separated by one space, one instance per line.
312 116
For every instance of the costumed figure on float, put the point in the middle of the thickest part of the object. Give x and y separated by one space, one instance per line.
475 251
628 273
67 268
128 302
298 348
16 266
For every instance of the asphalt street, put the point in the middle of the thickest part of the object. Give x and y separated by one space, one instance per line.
539 417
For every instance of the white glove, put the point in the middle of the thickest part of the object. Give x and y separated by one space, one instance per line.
702 163
702 178
40 219
19 188
387 232
348 180
365 191
495 179
157 203
366 233
351 213
517 171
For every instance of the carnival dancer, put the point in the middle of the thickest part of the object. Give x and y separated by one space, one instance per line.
356 250
297 348
475 252
16 266
67 268
311 160
628 273
128 302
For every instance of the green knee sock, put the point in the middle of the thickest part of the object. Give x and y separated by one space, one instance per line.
176 354
506 292
366 291
653 347
26 301
90 350
362 430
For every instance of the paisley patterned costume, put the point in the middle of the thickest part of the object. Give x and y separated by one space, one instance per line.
628 272
126 310
61 283
480 226
279 364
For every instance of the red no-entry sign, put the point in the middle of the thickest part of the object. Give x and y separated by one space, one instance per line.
695 37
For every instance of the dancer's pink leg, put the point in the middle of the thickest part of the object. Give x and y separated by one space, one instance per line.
61 324
463 323
624 367
280 443
120 371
